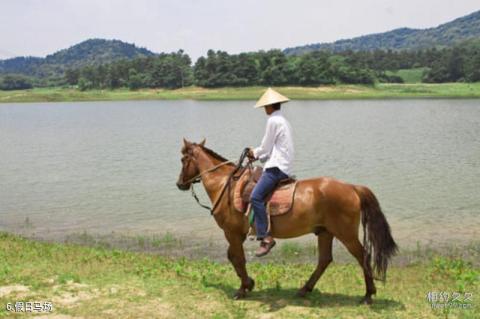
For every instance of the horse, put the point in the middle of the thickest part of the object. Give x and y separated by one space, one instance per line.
325 206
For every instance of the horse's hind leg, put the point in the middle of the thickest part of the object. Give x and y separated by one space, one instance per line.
324 259
356 249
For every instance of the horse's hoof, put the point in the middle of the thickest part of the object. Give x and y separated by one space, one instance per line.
366 300
251 284
303 292
239 295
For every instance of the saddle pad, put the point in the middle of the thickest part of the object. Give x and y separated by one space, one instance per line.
238 201
278 203
243 188
281 201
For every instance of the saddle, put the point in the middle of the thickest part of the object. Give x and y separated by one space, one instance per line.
279 202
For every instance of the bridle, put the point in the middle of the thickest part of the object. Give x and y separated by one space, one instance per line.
238 167
198 177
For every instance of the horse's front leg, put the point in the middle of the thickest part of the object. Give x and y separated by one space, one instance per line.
236 256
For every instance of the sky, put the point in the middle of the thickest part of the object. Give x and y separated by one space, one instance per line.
41 27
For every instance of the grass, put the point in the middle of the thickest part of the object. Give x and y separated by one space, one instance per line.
378 91
409 75
95 282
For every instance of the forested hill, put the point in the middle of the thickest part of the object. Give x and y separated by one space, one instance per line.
89 52
444 35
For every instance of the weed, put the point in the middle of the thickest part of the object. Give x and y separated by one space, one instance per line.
68 277
459 270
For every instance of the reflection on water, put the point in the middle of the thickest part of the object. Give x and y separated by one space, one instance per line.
112 166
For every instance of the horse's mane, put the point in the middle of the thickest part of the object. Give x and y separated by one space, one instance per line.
213 154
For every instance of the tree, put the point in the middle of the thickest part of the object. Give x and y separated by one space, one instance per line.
200 73
135 80
84 84
171 71
245 70
15 82
345 71
273 68
314 69
472 68
455 65
71 76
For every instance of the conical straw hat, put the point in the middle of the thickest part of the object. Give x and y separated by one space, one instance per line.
271 97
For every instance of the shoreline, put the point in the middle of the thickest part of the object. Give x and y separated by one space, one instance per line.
329 92
302 249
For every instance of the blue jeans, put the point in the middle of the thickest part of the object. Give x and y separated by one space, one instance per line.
269 179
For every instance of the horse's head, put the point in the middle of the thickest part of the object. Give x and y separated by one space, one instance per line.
189 164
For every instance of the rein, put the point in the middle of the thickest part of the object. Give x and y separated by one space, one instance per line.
238 167
197 178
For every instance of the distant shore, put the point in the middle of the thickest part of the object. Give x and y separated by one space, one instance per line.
330 92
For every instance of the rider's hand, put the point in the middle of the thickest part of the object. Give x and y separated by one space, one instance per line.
250 154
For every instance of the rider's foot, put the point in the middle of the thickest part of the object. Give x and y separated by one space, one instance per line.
265 245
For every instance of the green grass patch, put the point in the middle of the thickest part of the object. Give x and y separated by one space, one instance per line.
94 282
329 92
409 75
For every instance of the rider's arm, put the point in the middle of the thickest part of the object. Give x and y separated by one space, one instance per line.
268 140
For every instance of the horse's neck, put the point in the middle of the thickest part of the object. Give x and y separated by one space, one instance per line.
213 181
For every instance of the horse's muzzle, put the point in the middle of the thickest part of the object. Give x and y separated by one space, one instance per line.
183 187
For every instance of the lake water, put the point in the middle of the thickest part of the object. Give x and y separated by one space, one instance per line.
112 166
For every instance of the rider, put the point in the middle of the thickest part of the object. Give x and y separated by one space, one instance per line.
277 150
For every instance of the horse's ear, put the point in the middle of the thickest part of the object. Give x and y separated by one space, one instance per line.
185 142
202 143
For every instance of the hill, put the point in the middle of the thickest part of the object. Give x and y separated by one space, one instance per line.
445 35
89 52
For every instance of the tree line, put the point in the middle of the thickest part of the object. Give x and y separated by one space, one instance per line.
220 69
162 71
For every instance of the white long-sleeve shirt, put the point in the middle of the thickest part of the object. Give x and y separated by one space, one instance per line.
277 144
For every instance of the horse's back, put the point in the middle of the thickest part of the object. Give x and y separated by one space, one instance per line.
330 198
330 188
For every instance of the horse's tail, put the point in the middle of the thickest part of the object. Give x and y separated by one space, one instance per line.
377 238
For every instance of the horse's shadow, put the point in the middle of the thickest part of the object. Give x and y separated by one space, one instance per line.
278 298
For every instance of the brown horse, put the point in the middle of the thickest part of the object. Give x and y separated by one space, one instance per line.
324 206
